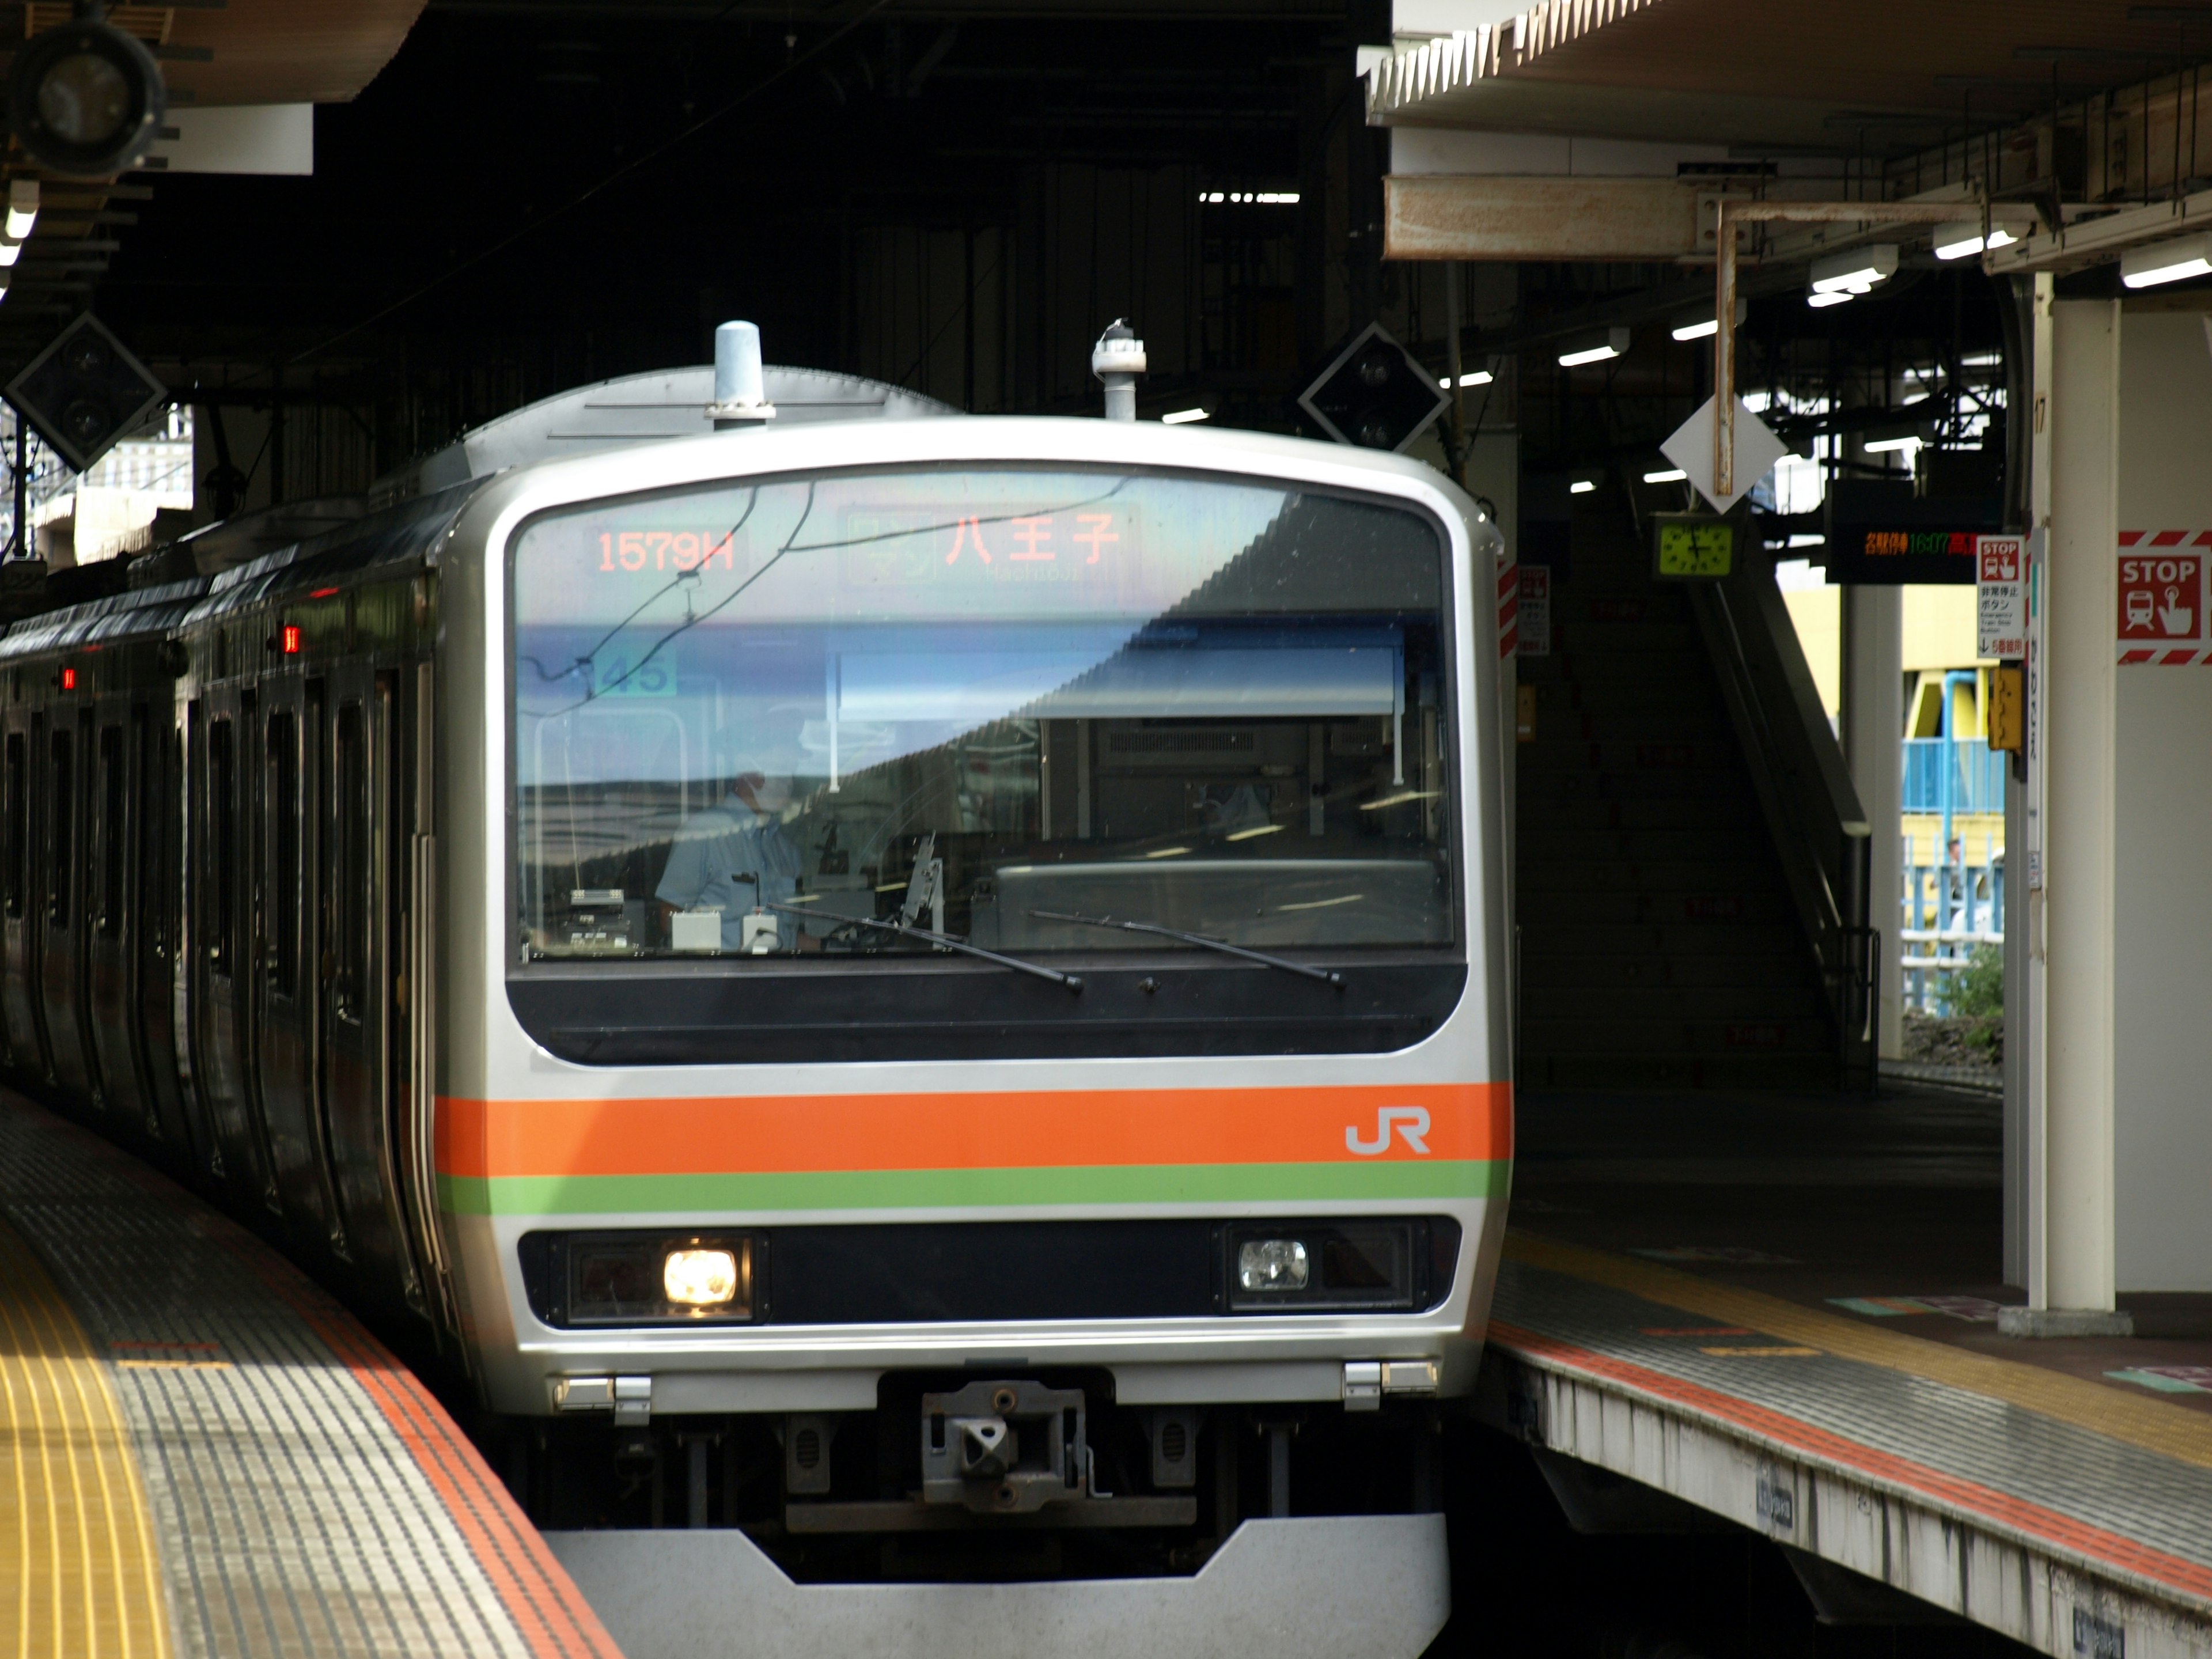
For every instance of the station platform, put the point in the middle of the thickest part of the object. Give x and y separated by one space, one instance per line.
1780 1311
203 1455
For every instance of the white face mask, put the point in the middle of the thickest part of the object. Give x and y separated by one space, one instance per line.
771 795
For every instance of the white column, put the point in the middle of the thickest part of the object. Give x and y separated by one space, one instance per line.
2071 915
1874 725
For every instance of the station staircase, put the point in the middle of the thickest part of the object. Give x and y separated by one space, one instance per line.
1690 897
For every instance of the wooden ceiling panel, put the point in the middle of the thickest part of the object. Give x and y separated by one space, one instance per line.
261 52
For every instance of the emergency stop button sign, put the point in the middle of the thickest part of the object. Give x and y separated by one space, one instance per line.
2161 596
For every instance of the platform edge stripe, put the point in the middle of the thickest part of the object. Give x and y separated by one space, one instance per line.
65 1331
482 1508
2027 1522
65 1349
2101 1408
55 1313
473 1495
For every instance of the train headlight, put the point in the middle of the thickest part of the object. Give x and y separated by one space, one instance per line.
700 1278
645 1278
1386 1265
1271 1264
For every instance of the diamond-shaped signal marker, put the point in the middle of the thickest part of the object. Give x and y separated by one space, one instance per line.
1374 395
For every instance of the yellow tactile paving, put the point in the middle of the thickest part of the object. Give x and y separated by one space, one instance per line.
78 1574
2185 1435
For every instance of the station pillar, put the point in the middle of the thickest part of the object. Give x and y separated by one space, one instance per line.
1873 725
2070 1060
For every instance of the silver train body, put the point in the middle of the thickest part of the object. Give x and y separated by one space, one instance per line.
894 994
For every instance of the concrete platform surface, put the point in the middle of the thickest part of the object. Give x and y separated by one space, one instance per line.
203 1455
1781 1309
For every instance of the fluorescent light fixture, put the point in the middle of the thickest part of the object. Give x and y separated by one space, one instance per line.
1809 541
1260 197
1594 349
1184 416
1889 446
1839 297
1167 853
1582 487
1703 325
1477 377
1962 239
1671 475
1277 199
1983 360
23 208
1253 834
1856 269
10 251
2167 261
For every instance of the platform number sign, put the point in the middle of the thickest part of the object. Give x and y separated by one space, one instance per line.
2161 597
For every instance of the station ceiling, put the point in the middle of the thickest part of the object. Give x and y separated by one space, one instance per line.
1866 76
213 53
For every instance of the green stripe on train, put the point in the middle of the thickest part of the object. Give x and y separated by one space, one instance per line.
900 1189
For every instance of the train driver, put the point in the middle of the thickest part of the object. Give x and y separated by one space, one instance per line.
720 854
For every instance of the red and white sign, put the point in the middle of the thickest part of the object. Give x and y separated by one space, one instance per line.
2000 592
2161 596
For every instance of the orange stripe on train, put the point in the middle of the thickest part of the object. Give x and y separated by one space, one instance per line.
1046 1129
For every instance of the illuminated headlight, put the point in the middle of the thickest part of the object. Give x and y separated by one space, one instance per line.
644 1277
1271 1264
700 1279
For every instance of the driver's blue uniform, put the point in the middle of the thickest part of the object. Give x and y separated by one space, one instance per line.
714 848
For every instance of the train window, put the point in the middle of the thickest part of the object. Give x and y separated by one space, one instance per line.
17 783
352 874
799 715
61 849
112 830
284 875
224 847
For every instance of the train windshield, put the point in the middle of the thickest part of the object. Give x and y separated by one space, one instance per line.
845 713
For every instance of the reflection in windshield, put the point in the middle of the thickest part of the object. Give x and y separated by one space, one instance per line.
752 719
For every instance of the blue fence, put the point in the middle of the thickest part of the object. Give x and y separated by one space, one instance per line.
1976 775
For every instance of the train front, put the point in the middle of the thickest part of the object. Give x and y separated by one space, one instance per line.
975 1035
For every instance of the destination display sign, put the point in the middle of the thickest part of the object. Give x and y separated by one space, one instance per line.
1880 534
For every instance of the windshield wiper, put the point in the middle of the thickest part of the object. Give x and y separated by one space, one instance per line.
950 941
1226 949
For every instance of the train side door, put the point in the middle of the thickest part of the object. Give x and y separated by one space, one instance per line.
112 920
359 1020
224 939
20 893
288 978
63 903
157 738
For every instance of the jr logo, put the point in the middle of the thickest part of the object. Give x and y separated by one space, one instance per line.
1411 1123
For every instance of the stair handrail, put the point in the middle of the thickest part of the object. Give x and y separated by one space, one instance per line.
1811 808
